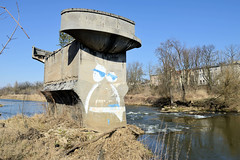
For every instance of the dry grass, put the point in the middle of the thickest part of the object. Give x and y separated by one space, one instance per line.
45 137
146 98
139 99
30 97
195 95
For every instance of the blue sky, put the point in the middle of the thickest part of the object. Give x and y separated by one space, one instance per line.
193 22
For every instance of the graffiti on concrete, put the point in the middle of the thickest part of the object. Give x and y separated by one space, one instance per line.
99 73
89 74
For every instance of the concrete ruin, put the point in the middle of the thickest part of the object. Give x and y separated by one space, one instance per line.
88 76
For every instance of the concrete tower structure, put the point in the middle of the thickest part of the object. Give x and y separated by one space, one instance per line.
88 76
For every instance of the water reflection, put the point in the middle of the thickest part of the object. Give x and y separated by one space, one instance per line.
216 138
182 136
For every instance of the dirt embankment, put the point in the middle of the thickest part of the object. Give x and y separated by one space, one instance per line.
139 99
198 102
46 137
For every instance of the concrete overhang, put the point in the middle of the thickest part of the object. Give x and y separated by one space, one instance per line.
100 31
39 54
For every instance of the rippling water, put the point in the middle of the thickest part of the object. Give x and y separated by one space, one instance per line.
13 107
169 135
184 136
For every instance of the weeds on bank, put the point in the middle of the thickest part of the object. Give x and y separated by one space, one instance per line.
46 136
169 145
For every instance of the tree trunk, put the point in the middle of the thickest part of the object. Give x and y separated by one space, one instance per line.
183 93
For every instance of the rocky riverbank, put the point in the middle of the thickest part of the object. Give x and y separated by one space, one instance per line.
48 137
203 106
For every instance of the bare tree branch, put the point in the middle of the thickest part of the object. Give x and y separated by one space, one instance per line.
2 13
10 38
17 21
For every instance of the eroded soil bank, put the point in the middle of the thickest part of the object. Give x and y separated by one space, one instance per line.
196 106
46 137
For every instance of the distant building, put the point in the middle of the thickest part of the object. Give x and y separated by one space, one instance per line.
154 80
215 72
198 76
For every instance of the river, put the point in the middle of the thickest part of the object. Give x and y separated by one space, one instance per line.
169 135
12 107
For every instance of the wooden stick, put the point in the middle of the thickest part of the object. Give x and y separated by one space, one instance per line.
80 145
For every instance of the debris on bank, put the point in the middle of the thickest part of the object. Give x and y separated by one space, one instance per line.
45 137
199 106
210 105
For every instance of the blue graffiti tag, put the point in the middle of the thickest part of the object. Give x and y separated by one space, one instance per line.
112 76
113 105
102 74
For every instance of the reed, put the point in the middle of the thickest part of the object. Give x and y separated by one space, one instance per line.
168 145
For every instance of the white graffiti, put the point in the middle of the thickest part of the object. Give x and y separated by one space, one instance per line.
99 73
116 93
118 111
89 96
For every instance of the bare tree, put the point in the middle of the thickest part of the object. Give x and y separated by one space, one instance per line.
195 56
208 59
194 62
22 88
175 60
232 52
167 62
182 65
152 69
17 24
135 75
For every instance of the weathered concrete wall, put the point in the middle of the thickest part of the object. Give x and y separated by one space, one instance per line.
102 86
87 78
98 79
61 65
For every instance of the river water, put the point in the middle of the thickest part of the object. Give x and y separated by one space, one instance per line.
168 135
13 107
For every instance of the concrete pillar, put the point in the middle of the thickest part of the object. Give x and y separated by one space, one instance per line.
89 75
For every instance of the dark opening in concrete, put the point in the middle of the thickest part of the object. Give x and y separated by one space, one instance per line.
67 97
